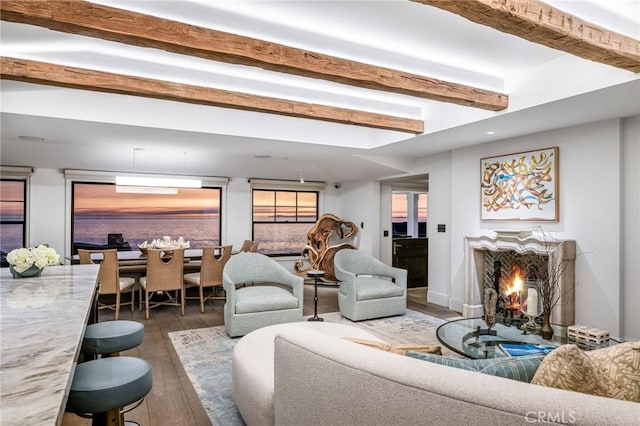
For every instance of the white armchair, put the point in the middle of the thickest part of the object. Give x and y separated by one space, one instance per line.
368 287
251 307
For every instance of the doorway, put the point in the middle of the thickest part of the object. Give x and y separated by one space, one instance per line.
410 243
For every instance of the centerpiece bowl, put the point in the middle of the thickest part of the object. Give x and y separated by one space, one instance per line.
32 271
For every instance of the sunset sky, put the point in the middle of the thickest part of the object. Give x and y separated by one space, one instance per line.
399 207
11 198
284 204
96 197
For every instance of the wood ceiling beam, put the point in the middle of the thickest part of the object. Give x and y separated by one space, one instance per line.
81 17
99 81
541 23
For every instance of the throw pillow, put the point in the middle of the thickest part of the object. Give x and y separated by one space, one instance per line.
621 363
569 368
396 349
521 368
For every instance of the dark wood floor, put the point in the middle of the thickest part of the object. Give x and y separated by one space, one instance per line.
173 400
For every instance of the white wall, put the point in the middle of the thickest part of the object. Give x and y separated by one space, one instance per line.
590 212
47 222
631 228
237 213
361 205
440 243
439 212
386 212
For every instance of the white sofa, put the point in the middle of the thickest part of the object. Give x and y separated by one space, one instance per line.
322 379
252 366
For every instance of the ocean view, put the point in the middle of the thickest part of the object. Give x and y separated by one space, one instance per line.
137 229
199 232
274 239
10 237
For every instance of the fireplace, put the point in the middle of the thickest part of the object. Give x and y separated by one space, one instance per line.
510 262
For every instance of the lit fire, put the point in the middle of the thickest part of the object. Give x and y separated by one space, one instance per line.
513 290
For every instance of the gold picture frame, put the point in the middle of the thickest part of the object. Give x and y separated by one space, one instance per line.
521 186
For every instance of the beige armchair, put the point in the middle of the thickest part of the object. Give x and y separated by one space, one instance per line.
276 296
369 288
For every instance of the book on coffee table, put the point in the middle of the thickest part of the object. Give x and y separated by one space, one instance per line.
521 349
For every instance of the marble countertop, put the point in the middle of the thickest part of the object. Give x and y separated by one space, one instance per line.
42 321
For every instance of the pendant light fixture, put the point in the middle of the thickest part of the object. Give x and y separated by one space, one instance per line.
152 185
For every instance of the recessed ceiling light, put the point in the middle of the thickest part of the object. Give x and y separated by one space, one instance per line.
491 132
263 156
31 138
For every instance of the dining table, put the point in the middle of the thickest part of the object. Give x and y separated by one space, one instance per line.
136 256
42 324
133 263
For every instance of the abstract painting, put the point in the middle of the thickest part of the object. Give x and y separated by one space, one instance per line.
522 186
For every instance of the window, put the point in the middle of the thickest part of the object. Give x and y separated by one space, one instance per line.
422 215
281 220
409 214
12 214
101 216
399 212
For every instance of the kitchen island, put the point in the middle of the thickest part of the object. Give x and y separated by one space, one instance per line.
42 322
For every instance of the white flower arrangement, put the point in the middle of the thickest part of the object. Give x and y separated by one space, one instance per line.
165 242
23 258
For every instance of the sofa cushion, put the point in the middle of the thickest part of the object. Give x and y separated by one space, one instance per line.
570 368
520 368
621 363
376 288
400 349
264 298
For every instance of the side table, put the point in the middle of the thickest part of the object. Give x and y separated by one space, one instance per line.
315 275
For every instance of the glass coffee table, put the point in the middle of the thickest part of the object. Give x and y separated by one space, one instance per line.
469 337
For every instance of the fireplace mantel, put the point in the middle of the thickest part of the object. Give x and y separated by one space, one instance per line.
476 248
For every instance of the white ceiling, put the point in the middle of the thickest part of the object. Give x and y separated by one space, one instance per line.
88 130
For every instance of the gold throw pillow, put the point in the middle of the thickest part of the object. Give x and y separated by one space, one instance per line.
569 368
621 363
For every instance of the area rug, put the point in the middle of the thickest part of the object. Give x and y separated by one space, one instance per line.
205 354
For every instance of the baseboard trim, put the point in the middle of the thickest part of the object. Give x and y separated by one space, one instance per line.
456 304
441 299
472 311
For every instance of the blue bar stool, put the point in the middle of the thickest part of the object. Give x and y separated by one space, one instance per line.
109 338
102 387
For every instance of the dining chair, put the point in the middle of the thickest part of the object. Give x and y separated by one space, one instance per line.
164 274
249 246
210 275
109 279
